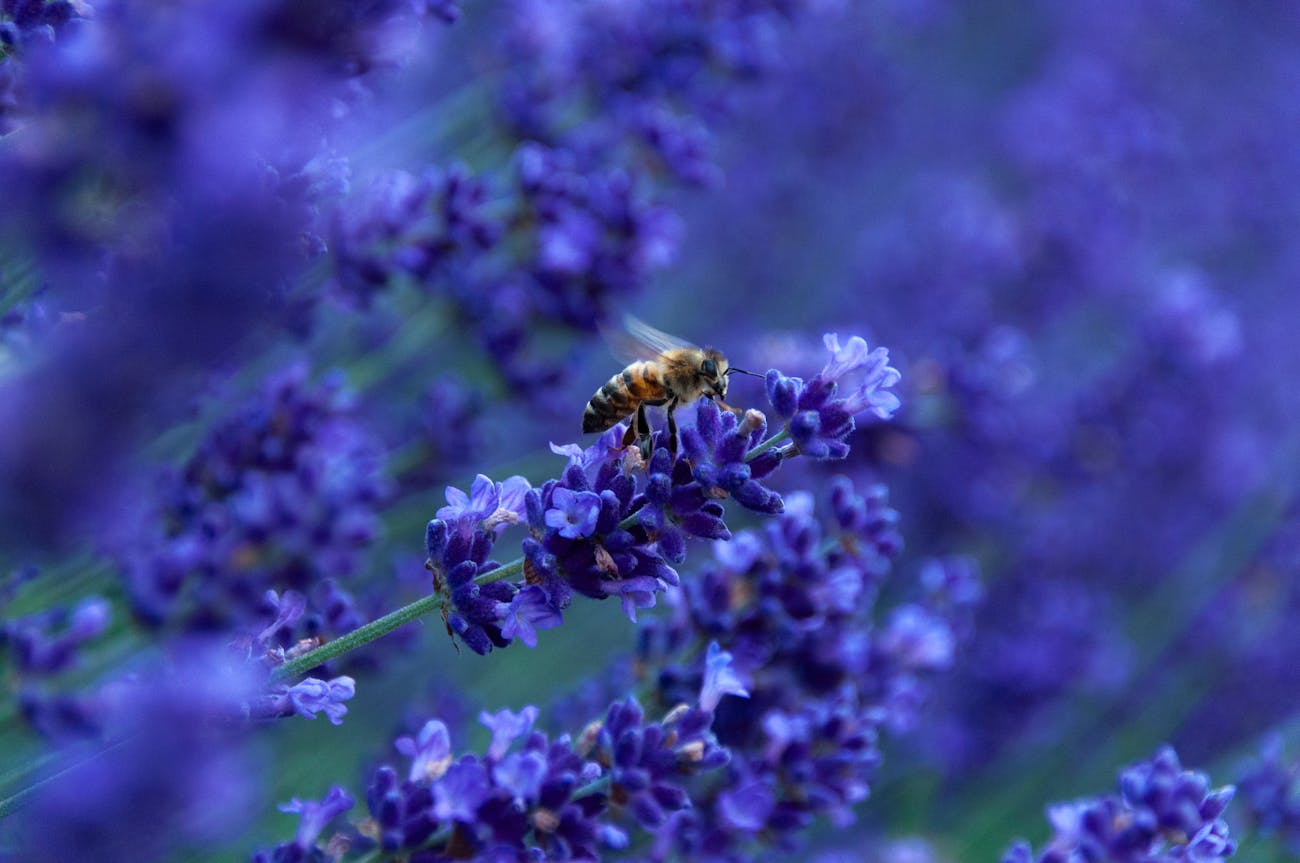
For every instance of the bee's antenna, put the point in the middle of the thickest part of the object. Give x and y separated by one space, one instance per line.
731 369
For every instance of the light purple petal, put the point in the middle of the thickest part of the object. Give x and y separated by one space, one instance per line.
719 678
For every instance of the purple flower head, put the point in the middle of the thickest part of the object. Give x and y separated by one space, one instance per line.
493 505
719 678
720 444
506 728
817 417
430 751
636 592
316 816
313 696
574 514
528 611
1270 789
458 794
281 497
871 394
411 226
1164 813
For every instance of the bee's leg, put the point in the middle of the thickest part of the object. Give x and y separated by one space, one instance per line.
672 427
642 426
633 428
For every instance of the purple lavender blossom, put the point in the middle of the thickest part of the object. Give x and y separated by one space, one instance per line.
792 604
44 650
528 796
574 514
1270 790
817 418
719 678
282 495
312 696
1162 813
528 611
411 226
315 817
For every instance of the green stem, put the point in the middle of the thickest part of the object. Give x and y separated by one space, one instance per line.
780 437
364 634
386 624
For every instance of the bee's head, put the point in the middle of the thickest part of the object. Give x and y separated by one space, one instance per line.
713 374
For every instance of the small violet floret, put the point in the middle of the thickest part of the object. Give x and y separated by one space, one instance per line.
429 751
528 611
872 393
495 505
313 696
314 816
719 678
507 727
574 514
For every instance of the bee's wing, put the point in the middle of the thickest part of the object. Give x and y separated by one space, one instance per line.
640 341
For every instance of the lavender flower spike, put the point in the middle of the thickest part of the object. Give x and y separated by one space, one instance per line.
816 415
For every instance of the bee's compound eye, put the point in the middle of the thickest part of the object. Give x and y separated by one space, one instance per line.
709 368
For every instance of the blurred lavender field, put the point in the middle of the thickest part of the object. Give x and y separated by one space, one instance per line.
300 306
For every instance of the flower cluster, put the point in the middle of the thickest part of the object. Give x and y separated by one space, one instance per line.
602 109
527 795
794 604
1162 813
41 647
261 525
410 226
644 78
614 524
816 416
1270 790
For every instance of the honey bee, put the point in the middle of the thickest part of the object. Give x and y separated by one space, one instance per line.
669 372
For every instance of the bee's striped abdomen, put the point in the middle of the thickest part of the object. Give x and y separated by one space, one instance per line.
619 397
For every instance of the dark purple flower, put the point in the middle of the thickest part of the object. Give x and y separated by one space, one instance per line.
48 643
794 604
493 506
